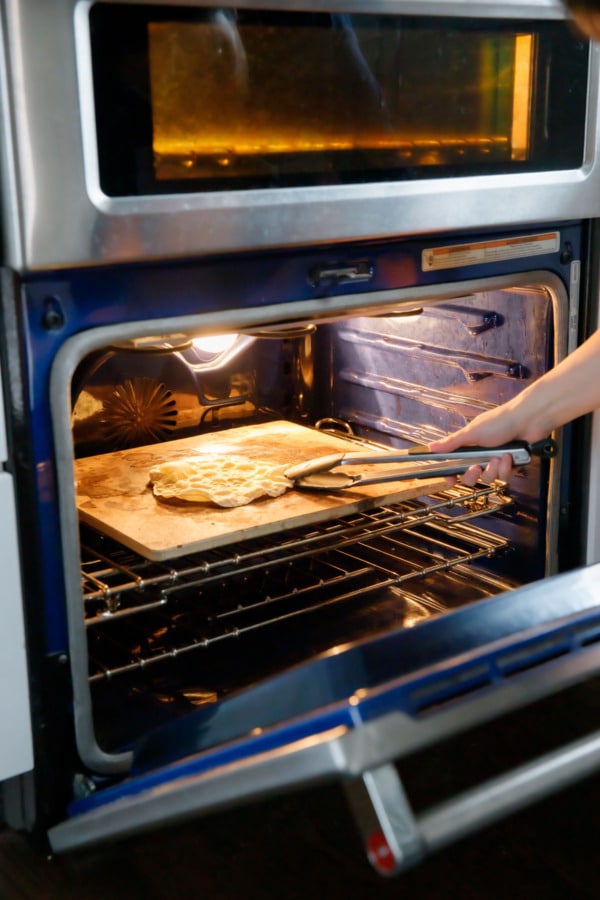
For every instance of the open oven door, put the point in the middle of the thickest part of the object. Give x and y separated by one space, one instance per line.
355 712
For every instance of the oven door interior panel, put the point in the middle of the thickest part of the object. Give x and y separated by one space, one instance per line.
349 714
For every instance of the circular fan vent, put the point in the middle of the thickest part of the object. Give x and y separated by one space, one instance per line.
139 411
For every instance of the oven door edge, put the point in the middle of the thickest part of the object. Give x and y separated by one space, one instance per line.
356 737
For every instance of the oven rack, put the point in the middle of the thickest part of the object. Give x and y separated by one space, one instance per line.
224 594
110 572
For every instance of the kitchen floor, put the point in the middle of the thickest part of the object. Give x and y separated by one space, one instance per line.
305 846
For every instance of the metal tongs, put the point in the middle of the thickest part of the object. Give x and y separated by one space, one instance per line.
317 475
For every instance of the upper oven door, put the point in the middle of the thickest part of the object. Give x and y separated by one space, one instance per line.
356 711
189 129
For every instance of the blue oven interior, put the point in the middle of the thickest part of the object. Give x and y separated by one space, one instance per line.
416 354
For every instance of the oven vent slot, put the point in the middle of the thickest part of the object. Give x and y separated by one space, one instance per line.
532 655
589 635
441 689
141 613
445 689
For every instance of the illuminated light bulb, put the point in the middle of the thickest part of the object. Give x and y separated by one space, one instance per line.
214 344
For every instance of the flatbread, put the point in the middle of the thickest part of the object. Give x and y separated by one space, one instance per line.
223 479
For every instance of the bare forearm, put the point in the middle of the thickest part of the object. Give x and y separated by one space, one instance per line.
569 390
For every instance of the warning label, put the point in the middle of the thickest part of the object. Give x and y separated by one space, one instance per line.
452 257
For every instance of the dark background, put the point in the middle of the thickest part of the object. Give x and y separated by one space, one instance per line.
306 846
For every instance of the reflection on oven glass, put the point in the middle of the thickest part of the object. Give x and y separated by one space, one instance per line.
240 96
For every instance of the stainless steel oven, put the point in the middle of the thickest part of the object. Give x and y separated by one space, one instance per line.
275 232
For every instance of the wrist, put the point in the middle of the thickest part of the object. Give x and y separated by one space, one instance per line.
530 415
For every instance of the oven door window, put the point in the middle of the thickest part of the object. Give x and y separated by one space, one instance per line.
199 99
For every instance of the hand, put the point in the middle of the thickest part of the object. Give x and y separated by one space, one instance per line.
569 390
498 468
490 429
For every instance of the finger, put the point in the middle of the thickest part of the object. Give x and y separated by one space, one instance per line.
446 445
491 472
498 469
471 476
505 467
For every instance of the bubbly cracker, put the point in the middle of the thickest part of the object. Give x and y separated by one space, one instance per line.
225 480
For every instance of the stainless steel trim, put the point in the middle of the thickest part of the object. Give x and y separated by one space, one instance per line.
574 297
11 211
541 9
508 793
60 217
303 763
383 812
16 748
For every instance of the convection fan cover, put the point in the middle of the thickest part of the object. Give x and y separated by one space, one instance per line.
140 410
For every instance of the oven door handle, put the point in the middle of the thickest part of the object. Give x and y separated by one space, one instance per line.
396 839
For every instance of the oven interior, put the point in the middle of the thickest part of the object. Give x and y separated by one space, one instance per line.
165 638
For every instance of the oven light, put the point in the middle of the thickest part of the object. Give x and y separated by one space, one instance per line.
214 344
212 353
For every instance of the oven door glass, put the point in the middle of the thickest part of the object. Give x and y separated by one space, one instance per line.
356 710
199 99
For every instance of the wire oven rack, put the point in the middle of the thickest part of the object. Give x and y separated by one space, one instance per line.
160 611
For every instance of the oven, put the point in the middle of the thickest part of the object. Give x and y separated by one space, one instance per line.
251 251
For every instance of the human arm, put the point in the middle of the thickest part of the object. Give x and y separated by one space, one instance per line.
567 391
